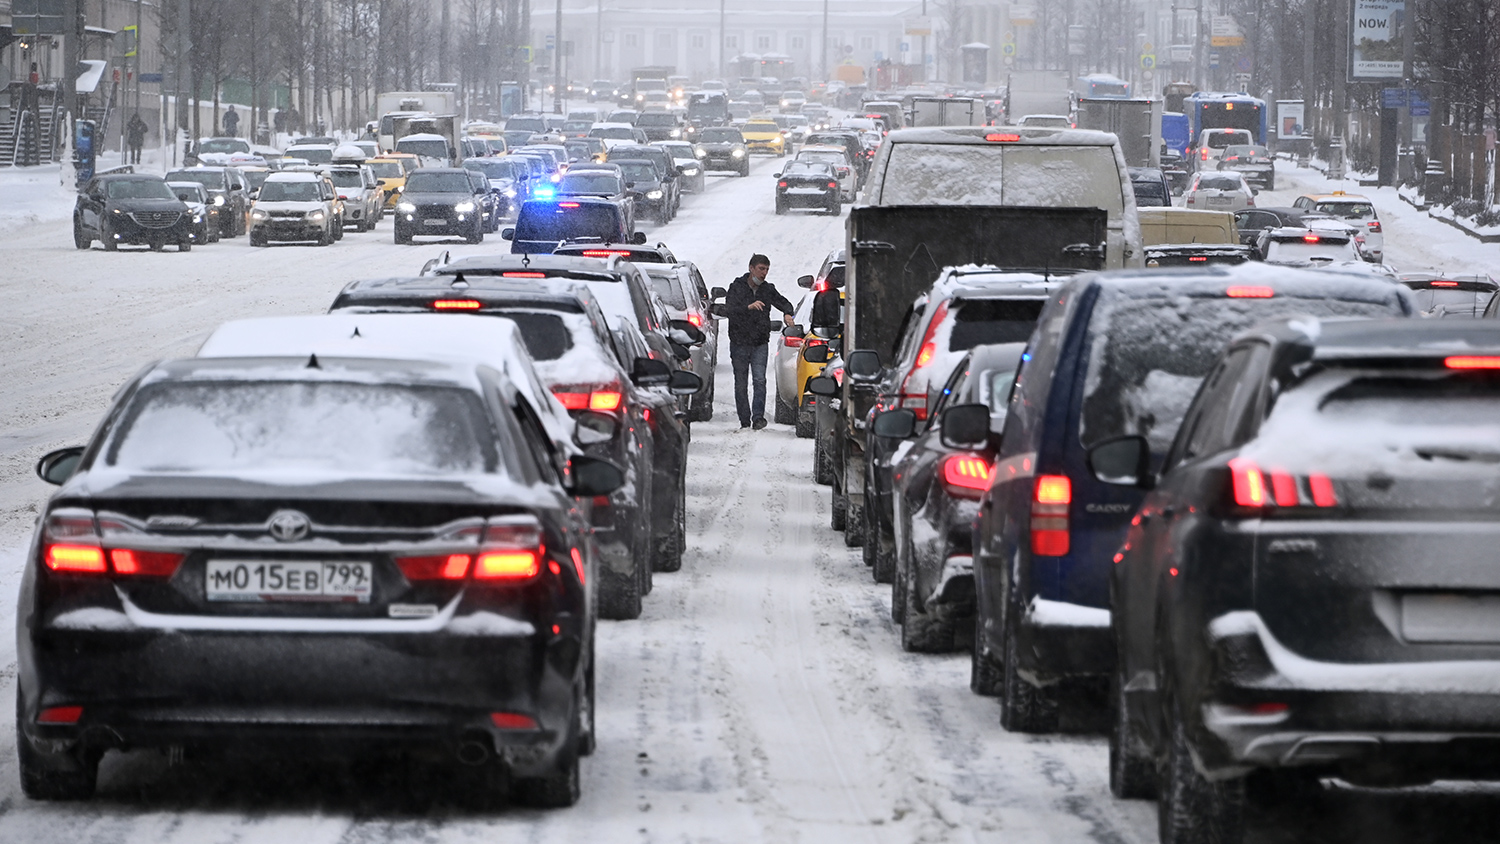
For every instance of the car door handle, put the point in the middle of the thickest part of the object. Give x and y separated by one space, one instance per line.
1168 512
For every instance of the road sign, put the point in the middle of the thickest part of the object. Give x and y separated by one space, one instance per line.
551 42
905 47
526 53
1148 61
1008 49
1181 53
1148 47
1213 59
1393 98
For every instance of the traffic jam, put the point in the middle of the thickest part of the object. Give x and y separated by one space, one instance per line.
1060 490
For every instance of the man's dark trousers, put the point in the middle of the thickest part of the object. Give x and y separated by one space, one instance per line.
749 362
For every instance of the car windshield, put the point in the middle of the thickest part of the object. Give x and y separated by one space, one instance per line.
614 133
139 189
301 191
230 145
1218 183
347 178
1347 210
666 285
637 171
545 222
762 128
589 182
983 321
312 155
302 427
211 179
492 168
387 169
721 136
1148 354
429 182
658 118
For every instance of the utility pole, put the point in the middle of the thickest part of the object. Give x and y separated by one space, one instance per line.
72 42
443 45
825 40
557 51
723 64
1408 72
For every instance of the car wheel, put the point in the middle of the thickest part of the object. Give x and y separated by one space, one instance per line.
807 422
560 788
46 776
79 240
921 632
587 737
184 247
1192 809
402 238
780 209
854 524
838 518
881 551
1024 708
785 413
258 239
663 216
158 246
986 676
668 556
745 170
476 236
822 464
1132 772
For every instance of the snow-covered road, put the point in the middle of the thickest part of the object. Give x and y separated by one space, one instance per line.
762 696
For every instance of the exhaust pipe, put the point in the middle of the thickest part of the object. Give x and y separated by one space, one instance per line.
474 750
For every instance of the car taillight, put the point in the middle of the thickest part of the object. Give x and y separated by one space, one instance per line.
1246 291
80 559
435 566
606 253
1050 498
1249 484
696 319
1191 200
523 275
512 549
1197 259
456 305
60 715
605 399
1232 158
586 397
1002 137
792 342
1311 238
1442 284
833 185
966 476
1374 226
1472 362
1252 489
74 546
134 562
1205 153
781 184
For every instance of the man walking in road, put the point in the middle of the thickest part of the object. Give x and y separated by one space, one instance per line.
747 304
135 137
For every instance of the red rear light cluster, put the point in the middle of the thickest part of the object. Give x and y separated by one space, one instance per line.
1311 238
917 402
696 319
584 397
966 476
1002 137
1050 498
74 545
792 342
606 253
60 715
1197 259
1442 284
1284 489
567 205
1374 226
781 184
511 549
523 275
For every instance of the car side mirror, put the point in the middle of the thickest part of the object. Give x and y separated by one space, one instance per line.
822 385
816 354
794 331
718 293
718 309
646 372
508 233
775 175
965 426
639 238
1122 461
692 332
863 365
56 467
592 427
896 424
684 383
594 476
805 281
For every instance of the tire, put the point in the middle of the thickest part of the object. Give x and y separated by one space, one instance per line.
838 518
986 676
780 209
402 239
184 247
882 556
79 241
338 230
70 777
562 787
921 633
158 246
1132 774
834 209
807 424
1024 708
622 601
1192 809
476 236
822 464
587 736
258 240
854 524
785 413
745 170
663 216
668 556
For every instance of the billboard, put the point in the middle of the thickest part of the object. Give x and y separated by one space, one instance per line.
1376 33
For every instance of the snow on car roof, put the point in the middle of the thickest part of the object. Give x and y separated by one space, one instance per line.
1027 135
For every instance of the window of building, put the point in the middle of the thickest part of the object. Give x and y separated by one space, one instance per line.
867 42
699 42
632 39
732 42
798 42
762 42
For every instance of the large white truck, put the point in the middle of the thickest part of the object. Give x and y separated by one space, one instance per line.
392 104
1137 123
1037 92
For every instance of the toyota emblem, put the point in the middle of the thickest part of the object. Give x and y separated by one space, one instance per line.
288 526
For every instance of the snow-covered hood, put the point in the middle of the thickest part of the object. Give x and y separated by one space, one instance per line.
288 205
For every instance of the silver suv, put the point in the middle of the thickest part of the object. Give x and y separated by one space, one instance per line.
296 206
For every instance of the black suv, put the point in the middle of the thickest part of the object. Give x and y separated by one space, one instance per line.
440 201
132 209
671 184
723 148
647 189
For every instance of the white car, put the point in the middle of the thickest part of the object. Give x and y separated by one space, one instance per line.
613 134
1207 152
1216 191
1353 209
838 159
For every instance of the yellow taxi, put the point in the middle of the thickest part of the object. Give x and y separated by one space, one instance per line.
763 135
794 405
391 170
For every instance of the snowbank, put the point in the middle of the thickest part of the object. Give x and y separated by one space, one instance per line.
34 195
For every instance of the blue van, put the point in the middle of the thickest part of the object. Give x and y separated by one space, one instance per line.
1113 355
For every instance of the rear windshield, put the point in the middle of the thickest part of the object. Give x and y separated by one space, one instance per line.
187 194
1294 251
996 174
1218 183
429 182
230 145
387 169
316 155
1347 210
430 149
1224 140
302 427
529 124
290 192
998 384
554 222
545 334
1147 355
492 168
1151 193
637 171
621 133
984 321
347 179
657 118
589 182
666 287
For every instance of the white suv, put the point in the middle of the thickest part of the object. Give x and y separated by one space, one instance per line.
1356 210
1211 144
296 206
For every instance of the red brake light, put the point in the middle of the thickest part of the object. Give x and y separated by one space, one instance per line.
1374 225
925 356
1196 259
1050 499
512 550
512 721
456 305
1321 487
1054 489
1442 284
573 401
696 320
605 400
833 185
1205 154
507 565
781 184
1249 483
1311 238
523 275
1232 158
792 342
606 253
965 472
1472 362
567 205
435 567
80 559
144 563
1002 137
60 715
1249 292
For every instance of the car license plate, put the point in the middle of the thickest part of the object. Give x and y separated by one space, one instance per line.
1452 617
276 580
1219 200
434 222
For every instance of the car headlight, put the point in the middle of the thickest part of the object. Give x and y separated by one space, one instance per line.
739 153
510 193
653 194
258 214
315 216
690 171
676 133
464 207
700 152
406 207
218 200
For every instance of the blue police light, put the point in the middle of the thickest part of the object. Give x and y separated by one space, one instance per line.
545 192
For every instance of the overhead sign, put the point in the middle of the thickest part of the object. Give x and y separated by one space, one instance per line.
919 26
37 17
1375 39
1225 32
1022 15
1181 53
1077 40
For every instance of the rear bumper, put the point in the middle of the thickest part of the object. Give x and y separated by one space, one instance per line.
1435 719
808 200
1060 641
290 229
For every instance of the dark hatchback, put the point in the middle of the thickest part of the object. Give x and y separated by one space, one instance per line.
132 209
1113 355
1309 590
442 202
317 554
806 184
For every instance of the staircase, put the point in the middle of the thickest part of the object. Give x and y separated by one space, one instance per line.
30 137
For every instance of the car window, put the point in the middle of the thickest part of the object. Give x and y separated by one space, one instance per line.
568 221
276 191
1218 183
983 321
668 288
1226 393
1347 210
540 448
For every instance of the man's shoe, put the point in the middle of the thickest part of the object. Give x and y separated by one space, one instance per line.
744 425
759 423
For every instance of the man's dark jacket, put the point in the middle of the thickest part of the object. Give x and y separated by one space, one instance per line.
747 327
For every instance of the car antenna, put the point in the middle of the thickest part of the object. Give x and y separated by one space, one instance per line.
458 281
356 333
312 361
526 259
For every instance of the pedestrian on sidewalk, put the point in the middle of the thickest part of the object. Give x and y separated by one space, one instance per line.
748 304
232 122
135 137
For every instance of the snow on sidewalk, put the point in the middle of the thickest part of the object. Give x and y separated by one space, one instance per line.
34 195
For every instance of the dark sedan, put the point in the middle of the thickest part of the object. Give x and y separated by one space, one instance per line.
132 209
316 554
227 189
1309 589
1254 162
808 184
